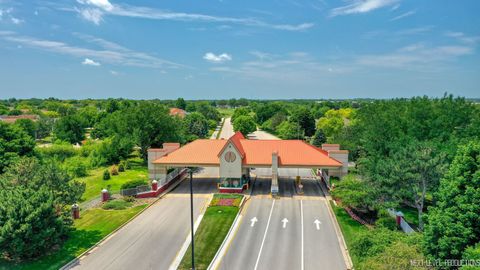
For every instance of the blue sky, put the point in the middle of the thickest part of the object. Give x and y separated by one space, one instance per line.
224 48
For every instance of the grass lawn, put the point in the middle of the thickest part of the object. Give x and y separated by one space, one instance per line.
210 234
349 227
93 225
95 183
226 112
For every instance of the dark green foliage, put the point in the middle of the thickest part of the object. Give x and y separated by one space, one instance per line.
121 167
70 129
76 166
318 138
181 104
111 151
372 242
34 212
453 223
353 192
245 124
134 183
15 112
14 143
106 175
196 124
28 126
304 118
384 220
44 127
266 111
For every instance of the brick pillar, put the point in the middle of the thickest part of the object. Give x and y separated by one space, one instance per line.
105 195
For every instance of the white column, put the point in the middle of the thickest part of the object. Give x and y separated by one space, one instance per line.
274 188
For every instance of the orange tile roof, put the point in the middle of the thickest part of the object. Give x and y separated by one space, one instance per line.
177 112
290 153
202 152
293 153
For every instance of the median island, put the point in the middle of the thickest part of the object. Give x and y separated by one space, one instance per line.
213 228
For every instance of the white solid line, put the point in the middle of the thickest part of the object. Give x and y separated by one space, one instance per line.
264 236
301 220
178 259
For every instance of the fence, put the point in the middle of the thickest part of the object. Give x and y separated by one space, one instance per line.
403 224
135 191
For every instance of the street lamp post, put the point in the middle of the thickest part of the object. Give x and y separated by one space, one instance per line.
191 217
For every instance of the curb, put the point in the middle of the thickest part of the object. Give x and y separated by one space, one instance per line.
228 238
86 252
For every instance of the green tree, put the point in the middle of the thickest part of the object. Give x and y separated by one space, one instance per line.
44 127
471 254
28 126
305 119
180 103
34 212
70 129
333 122
452 223
319 138
240 112
245 124
289 130
14 143
353 192
196 124
266 111
413 171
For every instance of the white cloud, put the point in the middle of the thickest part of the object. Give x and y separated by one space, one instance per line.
90 62
211 57
103 4
403 15
113 72
108 52
361 6
92 14
16 20
416 56
462 37
94 10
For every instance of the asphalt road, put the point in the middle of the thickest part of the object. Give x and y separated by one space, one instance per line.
227 130
152 240
299 244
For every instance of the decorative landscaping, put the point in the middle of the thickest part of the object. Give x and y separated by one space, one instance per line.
216 223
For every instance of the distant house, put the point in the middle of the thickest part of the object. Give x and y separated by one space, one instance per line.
178 112
10 119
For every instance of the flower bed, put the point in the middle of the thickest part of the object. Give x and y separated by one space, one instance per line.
226 200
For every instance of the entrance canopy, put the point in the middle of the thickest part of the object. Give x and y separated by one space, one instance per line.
252 153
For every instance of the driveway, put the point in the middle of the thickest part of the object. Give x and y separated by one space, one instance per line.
293 232
152 240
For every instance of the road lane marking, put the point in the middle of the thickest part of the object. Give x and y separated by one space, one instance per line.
302 267
253 220
317 223
264 235
284 221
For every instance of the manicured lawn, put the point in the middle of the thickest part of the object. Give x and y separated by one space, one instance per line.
210 234
226 112
93 225
349 227
95 183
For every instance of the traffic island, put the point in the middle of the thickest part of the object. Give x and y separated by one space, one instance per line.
216 223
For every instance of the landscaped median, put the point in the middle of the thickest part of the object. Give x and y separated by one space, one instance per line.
216 223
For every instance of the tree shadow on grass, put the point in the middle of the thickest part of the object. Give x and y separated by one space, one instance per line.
77 242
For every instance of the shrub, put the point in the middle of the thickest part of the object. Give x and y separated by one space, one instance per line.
59 152
76 166
129 198
134 183
114 170
121 167
126 164
116 205
106 175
